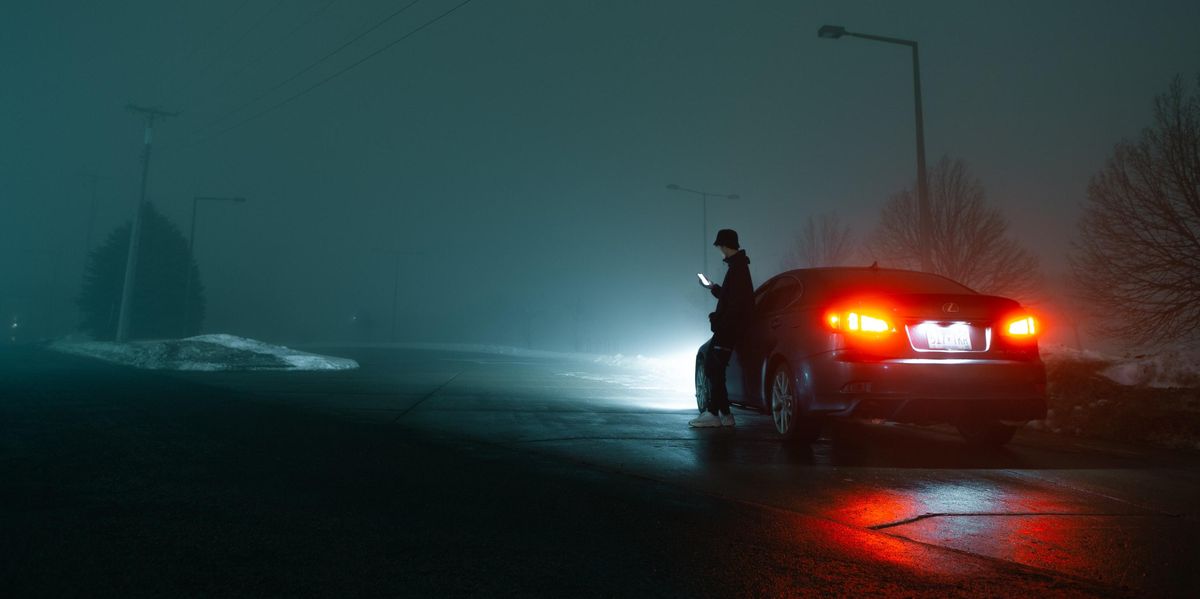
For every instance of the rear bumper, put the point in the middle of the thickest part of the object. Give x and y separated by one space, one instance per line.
917 390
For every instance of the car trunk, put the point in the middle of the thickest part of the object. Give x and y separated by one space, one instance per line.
938 326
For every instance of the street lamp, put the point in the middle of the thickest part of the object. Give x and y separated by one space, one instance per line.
187 289
395 286
924 214
704 222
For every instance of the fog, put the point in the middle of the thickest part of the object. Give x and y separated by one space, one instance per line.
508 163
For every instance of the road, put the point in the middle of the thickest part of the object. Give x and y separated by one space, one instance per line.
438 473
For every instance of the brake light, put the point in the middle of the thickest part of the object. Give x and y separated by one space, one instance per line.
1023 327
857 322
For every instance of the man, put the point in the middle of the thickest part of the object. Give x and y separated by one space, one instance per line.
735 308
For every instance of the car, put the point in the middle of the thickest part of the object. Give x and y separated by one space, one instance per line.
889 344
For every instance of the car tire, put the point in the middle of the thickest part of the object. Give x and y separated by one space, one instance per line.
986 433
703 390
789 408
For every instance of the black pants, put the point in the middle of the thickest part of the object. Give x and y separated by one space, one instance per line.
716 360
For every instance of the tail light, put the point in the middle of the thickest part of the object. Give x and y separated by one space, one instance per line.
1021 327
859 322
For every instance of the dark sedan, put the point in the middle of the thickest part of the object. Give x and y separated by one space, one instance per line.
887 344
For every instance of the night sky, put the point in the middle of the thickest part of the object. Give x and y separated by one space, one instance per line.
516 152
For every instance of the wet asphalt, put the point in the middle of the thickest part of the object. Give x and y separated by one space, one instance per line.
434 473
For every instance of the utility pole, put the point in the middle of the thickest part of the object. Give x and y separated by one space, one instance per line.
135 232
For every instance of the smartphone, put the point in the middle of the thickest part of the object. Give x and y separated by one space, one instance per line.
704 280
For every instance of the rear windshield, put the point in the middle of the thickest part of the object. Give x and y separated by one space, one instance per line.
826 283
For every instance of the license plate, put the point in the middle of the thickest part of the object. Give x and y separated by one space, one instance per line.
955 337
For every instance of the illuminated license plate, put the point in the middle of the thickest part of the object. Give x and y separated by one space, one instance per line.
955 337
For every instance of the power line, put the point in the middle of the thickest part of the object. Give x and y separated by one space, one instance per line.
212 34
333 76
287 36
230 47
304 70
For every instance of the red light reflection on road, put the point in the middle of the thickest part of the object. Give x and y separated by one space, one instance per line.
1049 542
1010 521
866 508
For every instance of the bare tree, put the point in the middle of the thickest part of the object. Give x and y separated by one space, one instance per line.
970 237
823 241
1137 261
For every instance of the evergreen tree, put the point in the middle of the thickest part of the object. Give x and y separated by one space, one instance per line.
158 296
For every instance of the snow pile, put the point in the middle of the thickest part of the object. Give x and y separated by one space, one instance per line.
203 353
1174 368
1170 368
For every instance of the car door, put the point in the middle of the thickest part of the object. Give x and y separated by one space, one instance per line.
741 388
771 319
743 366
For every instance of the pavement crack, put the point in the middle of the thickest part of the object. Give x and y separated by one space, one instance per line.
1013 514
405 411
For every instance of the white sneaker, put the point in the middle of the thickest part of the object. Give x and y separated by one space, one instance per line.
705 420
727 419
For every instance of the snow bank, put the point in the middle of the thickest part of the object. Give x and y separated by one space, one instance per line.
1174 367
203 353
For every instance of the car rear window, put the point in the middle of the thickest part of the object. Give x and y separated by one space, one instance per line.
870 281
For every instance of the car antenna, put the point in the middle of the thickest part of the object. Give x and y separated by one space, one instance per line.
874 265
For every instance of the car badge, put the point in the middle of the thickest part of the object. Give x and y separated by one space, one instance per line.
949 307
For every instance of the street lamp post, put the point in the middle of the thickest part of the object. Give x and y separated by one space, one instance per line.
398 255
925 215
395 286
187 288
704 219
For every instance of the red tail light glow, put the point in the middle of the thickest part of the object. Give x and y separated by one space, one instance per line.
858 322
1022 327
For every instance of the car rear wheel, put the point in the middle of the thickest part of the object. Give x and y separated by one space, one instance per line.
986 433
702 386
786 409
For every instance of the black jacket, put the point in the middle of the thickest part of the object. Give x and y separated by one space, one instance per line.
735 302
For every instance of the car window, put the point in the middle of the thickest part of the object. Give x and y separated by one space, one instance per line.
783 292
893 281
824 285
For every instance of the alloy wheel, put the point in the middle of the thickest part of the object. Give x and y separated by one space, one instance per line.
783 401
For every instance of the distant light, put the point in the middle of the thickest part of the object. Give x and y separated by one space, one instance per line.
663 382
